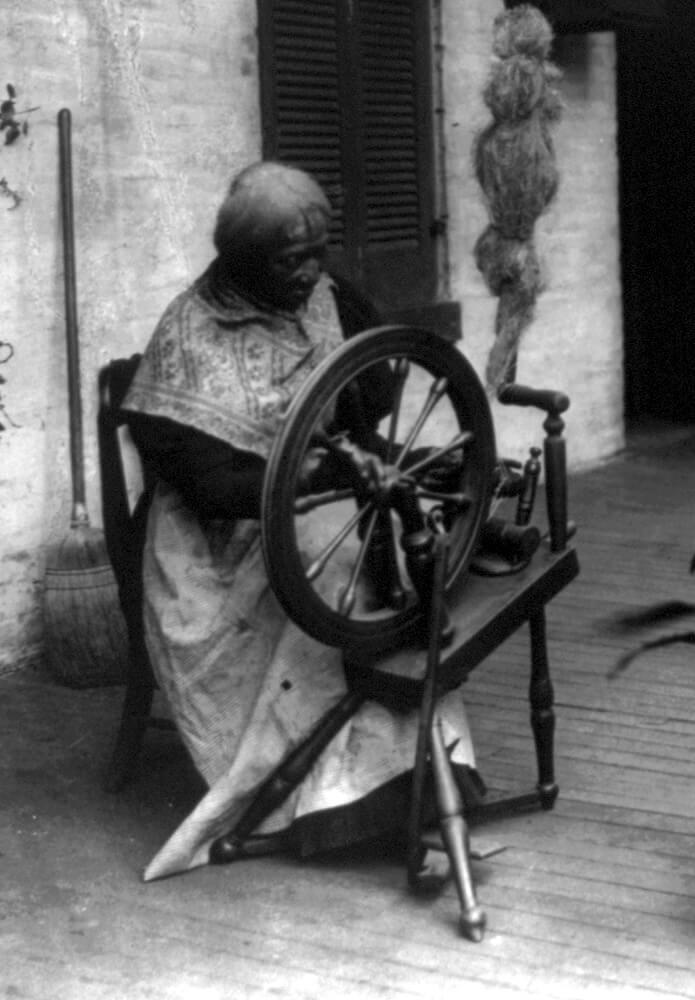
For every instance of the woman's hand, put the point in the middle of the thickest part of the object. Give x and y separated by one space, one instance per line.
312 472
342 466
444 476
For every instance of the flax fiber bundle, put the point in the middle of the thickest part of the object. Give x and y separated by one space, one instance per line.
515 166
85 633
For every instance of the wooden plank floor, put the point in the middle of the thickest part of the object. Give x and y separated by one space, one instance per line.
594 899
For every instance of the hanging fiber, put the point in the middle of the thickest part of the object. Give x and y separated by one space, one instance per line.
522 31
508 262
515 165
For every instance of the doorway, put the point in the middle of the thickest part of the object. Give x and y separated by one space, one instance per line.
656 143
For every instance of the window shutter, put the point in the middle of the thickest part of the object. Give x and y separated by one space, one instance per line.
302 119
346 94
397 244
389 107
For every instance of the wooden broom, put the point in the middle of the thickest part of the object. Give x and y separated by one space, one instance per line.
85 633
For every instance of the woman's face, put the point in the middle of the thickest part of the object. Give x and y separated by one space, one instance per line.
292 269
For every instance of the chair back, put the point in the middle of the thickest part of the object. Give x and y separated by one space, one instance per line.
124 521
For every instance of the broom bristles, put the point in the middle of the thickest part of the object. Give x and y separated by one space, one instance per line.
86 640
83 547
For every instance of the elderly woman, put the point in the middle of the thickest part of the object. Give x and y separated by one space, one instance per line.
244 684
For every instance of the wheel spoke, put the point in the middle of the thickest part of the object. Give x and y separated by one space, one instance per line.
319 564
461 500
402 369
460 441
303 505
436 391
347 598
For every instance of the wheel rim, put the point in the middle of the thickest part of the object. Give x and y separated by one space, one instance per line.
420 362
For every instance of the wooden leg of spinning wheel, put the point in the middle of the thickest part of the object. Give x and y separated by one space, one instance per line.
436 616
239 843
455 837
542 714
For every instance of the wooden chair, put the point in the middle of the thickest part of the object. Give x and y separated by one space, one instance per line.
124 522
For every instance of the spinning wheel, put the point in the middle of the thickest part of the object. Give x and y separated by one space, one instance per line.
346 563
361 551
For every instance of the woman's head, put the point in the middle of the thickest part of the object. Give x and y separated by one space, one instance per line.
272 231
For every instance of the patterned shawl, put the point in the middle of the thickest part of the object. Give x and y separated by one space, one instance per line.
229 368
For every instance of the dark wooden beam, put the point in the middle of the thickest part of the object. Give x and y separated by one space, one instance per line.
600 15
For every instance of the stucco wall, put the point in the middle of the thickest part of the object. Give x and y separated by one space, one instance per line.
575 341
164 98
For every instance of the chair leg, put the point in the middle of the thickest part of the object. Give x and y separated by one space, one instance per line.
455 837
542 714
134 720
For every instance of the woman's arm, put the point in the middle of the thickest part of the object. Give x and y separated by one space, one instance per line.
215 479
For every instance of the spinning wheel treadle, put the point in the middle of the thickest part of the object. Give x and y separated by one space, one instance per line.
319 547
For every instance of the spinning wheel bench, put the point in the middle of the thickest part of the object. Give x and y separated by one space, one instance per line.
433 584
486 612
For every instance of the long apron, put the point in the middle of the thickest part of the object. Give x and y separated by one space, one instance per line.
246 685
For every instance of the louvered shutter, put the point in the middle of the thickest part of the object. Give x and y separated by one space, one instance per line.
346 94
397 241
302 119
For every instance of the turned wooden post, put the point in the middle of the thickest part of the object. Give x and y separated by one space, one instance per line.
454 830
438 553
527 497
541 699
554 452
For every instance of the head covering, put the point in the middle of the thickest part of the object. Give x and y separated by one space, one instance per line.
267 205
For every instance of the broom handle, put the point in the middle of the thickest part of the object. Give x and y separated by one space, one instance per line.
79 509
